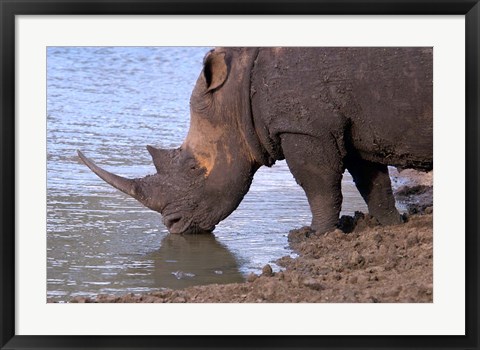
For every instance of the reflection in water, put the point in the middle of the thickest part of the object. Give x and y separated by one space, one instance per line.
187 260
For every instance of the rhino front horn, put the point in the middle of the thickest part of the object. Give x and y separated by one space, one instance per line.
127 186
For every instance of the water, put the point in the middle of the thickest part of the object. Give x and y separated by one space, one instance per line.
110 102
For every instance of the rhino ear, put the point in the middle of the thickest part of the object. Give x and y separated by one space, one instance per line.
215 70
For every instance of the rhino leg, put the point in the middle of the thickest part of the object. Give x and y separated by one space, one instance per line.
317 168
373 183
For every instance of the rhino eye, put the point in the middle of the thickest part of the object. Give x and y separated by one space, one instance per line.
189 162
193 164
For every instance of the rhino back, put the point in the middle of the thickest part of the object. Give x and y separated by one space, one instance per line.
375 101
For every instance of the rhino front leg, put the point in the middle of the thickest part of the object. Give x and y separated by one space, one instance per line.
373 183
317 168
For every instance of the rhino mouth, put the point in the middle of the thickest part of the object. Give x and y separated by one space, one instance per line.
177 224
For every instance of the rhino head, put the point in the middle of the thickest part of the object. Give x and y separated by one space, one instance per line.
204 180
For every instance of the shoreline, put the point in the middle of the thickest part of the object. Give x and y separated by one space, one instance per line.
369 264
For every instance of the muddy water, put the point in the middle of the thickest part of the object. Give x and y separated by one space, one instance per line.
110 103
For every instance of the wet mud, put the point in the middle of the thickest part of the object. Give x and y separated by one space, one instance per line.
359 262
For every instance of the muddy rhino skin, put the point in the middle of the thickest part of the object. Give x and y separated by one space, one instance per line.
324 110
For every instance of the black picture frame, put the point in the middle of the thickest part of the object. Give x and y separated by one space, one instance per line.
11 8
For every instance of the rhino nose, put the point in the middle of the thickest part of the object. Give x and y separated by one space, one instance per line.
170 220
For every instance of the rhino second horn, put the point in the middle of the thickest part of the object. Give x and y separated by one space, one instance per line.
127 186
